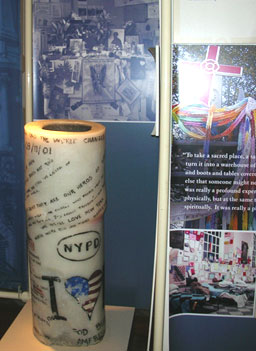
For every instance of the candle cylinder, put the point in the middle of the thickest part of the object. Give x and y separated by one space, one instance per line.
65 202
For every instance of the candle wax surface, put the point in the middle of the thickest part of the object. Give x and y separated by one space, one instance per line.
65 203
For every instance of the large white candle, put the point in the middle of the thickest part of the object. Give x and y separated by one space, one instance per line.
65 203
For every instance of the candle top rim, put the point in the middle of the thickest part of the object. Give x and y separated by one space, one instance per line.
67 127
64 127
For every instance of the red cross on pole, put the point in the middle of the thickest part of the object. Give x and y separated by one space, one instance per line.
208 69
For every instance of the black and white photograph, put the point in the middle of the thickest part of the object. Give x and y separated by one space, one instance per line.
94 56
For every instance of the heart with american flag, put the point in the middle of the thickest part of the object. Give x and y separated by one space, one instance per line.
85 291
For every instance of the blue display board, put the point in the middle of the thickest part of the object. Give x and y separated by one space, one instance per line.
13 267
212 333
91 62
131 179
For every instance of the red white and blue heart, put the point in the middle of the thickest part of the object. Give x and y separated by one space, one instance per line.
85 291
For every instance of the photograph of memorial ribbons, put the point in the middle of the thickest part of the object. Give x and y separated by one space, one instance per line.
212 272
91 59
213 174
